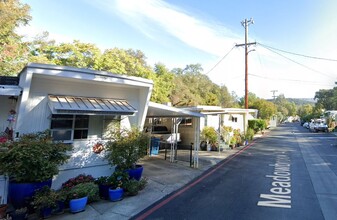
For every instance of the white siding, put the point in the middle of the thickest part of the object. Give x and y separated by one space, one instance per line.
38 81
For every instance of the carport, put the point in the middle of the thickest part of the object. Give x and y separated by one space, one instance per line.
156 110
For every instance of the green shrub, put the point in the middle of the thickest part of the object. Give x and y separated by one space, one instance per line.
81 190
44 198
126 147
209 134
33 157
249 134
257 125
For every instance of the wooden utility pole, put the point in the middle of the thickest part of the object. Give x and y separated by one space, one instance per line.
245 24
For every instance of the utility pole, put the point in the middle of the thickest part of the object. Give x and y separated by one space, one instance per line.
245 24
274 96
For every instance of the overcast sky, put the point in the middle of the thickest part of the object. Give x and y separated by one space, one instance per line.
181 32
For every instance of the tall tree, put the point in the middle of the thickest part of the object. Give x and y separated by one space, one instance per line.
327 98
12 50
163 84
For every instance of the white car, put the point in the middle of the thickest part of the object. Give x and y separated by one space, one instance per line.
306 125
312 126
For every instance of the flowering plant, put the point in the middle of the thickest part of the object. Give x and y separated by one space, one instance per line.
82 178
81 190
118 179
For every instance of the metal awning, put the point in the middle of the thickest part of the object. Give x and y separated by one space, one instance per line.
157 110
89 106
10 90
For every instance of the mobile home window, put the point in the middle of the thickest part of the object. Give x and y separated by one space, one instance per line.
69 127
186 122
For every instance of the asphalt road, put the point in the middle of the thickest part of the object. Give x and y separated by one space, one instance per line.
288 174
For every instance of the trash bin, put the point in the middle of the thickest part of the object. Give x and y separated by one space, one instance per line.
154 149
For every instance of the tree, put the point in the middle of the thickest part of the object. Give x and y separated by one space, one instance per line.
163 84
327 98
266 109
12 49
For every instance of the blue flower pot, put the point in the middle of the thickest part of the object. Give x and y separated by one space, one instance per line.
116 194
135 173
78 205
46 212
59 208
104 191
19 194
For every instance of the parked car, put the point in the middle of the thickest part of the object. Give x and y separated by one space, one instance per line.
312 126
306 125
163 133
321 127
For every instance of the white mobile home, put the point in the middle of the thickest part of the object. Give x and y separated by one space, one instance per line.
215 117
78 105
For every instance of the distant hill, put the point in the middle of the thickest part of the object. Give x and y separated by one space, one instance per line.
300 101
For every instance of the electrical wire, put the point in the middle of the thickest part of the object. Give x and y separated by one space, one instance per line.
220 60
309 68
297 54
291 80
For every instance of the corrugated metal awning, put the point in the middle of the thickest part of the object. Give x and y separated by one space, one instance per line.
89 106
10 90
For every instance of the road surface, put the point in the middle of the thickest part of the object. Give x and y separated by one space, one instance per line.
288 174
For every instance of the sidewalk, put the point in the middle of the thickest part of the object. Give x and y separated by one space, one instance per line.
163 178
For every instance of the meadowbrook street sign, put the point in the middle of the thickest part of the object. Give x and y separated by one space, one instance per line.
280 191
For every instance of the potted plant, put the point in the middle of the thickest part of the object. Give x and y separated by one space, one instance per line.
249 135
19 214
117 180
237 136
31 162
125 148
232 142
78 196
3 209
61 197
81 179
132 187
104 184
209 135
44 200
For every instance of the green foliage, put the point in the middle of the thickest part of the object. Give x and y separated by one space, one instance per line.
326 99
132 186
249 134
257 125
45 198
118 179
126 147
33 157
194 88
102 180
12 50
237 136
209 134
81 190
163 84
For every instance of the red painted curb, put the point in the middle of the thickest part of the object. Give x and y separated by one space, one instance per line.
185 188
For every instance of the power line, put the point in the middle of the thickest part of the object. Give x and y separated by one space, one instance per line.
291 80
297 54
220 60
309 68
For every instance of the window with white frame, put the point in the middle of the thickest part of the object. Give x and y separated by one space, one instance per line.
69 127
186 122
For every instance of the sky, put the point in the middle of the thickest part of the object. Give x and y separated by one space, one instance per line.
177 33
